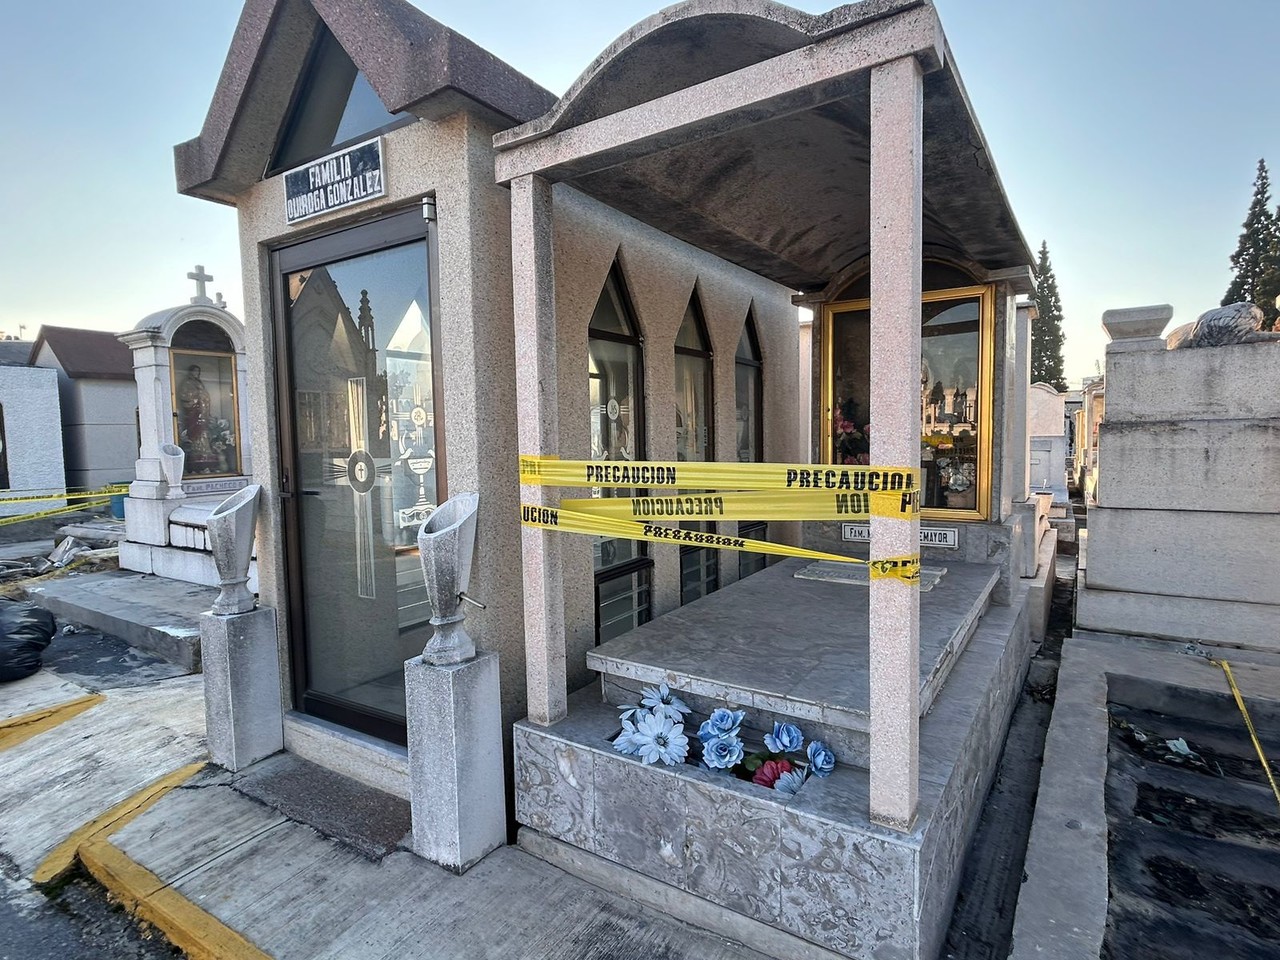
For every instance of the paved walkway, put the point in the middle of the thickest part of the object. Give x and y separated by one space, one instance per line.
283 860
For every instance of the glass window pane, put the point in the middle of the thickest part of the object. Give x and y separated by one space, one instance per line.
690 335
614 388
610 315
624 604
365 409
206 422
693 408
747 390
748 349
335 105
950 397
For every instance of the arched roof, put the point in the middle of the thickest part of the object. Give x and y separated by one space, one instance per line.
663 126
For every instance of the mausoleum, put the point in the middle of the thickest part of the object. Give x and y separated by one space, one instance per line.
190 370
448 269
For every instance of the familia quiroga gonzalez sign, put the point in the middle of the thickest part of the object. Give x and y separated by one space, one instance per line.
341 179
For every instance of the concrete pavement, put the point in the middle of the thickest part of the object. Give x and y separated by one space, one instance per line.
282 860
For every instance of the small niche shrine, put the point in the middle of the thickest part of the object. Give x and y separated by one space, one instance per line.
189 363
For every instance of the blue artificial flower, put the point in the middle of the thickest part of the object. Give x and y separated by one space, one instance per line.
790 782
785 738
722 753
662 700
821 760
721 723
624 742
658 737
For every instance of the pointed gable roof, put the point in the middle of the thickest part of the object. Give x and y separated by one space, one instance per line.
412 62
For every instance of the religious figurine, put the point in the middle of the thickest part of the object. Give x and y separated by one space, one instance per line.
196 405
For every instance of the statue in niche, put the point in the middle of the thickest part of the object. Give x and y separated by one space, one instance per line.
195 408
1224 326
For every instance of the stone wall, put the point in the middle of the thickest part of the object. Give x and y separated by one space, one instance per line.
1182 539
32 437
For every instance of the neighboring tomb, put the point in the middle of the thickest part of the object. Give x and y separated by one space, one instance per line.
30 439
98 400
1046 421
1182 538
190 373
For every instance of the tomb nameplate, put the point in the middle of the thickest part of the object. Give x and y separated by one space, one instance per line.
341 179
196 488
948 537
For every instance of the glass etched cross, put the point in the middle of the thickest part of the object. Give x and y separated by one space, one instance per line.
362 473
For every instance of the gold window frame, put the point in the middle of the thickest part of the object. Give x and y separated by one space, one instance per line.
238 467
986 398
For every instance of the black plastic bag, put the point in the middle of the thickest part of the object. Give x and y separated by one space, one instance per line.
25 630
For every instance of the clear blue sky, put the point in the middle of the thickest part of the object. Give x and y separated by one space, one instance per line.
1126 132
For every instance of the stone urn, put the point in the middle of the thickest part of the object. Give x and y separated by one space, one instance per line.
446 542
172 462
231 528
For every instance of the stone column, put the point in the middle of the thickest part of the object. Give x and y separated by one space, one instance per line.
1019 435
537 414
155 411
897 100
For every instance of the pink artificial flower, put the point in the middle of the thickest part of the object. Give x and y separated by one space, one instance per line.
770 771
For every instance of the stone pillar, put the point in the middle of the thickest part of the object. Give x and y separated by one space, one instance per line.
456 783
537 416
897 99
1019 435
155 411
244 720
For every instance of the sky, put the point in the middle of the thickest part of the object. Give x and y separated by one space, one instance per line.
1126 133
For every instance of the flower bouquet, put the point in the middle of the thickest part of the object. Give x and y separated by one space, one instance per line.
852 441
654 731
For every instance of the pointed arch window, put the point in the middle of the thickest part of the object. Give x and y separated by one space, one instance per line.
333 106
623 570
748 390
695 440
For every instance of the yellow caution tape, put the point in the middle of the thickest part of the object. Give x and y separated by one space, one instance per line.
906 569
113 491
552 471
754 505
74 508
1248 722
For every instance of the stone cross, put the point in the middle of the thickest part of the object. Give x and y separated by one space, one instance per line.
201 278
362 473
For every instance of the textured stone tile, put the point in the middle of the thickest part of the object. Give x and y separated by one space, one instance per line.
555 787
732 849
640 816
853 893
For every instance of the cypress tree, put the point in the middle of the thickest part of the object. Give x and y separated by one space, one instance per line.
1256 262
1046 332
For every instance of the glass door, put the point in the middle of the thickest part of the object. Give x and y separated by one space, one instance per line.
361 429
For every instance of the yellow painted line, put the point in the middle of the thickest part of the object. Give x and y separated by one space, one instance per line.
63 857
18 730
200 935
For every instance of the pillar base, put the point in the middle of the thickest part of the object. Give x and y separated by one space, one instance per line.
243 717
456 787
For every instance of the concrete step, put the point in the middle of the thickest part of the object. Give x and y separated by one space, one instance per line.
151 613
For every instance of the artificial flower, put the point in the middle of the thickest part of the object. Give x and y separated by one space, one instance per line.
785 738
722 752
790 782
722 723
770 771
624 742
821 760
661 699
658 737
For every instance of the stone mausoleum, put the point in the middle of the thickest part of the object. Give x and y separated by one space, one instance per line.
447 267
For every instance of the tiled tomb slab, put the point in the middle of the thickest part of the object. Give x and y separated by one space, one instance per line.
805 659
812 869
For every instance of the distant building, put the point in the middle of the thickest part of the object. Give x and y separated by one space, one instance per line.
30 437
99 403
